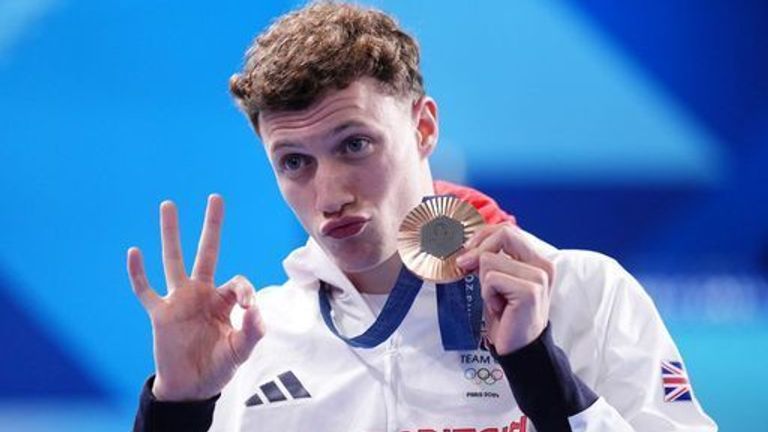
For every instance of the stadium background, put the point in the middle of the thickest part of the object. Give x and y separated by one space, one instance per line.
639 129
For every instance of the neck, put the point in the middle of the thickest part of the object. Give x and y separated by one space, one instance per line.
380 279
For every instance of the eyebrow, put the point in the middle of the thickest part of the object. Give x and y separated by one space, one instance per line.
282 144
344 126
335 131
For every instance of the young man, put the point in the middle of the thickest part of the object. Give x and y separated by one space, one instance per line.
351 341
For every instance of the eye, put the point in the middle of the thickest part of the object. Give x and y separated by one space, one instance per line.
293 162
356 146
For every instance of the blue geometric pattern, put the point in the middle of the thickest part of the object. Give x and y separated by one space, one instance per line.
35 364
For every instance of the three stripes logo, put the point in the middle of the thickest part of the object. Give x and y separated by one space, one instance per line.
279 390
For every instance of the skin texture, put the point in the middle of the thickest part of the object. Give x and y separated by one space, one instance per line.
196 348
356 152
516 285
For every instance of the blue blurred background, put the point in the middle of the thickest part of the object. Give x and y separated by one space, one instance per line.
639 129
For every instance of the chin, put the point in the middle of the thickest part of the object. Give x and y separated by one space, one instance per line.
357 263
356 258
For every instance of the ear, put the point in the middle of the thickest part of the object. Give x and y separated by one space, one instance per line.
427 128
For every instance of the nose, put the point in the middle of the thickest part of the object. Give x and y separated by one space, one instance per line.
332 193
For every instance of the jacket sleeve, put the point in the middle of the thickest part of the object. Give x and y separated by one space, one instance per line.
159 416
629 394
637 348
543 385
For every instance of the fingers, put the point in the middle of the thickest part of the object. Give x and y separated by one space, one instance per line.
139 282
480 236
492 301
497 238
208 248
237 290
173 262
504 280
509 239
242 341
491 325
253 327
502 263
500 289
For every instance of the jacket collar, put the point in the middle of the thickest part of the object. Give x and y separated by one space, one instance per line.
310 264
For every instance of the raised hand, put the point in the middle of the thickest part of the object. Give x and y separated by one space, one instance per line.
516 284
196 348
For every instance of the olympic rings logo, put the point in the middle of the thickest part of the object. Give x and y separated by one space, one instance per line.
484 375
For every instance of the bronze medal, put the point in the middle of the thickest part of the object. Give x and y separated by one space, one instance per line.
433 233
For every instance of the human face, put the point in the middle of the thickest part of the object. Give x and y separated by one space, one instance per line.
351 166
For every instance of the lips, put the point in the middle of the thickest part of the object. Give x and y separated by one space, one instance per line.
344 227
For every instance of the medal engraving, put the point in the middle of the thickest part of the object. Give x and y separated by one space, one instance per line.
433 233
442 236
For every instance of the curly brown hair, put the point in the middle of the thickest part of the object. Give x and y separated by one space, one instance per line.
325 45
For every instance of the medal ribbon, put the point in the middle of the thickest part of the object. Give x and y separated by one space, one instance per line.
459 308
460 313
395 309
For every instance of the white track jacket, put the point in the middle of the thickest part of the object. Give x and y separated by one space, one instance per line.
302 377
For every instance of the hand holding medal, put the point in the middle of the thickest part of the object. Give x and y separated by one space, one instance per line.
516 285
444 239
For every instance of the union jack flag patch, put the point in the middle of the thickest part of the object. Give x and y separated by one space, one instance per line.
675 381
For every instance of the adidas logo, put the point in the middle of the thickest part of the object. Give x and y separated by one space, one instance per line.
275 391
